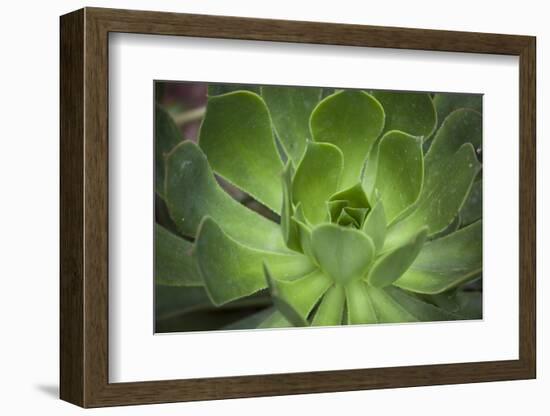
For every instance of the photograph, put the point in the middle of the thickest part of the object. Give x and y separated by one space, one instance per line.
275 208
300 206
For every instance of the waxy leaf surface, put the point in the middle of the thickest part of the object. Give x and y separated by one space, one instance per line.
231 270
290 109
237 137
193 193
351 120
446 262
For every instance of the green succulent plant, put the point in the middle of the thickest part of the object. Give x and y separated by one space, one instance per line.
374 200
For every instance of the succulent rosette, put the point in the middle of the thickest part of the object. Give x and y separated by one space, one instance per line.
374 200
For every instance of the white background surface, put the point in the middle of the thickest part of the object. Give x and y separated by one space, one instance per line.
29 217
135 355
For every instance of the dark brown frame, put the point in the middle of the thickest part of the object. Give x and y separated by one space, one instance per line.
84 207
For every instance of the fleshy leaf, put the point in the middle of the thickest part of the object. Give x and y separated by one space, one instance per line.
410 112
389 267
351 120
446 262
400 171
472 209
447 300
451 228
331 309
335 208
167 136
440 199
393 305
275 320
370 170
192 193
387 309
358 214
290 109
355 196
470 305
304 232
343 253
291 234
231 270
252 321
460 127
359 306
422 311
174 265
316 179
300 294
224 88
446 103
375 226
237 137
281 303
346 220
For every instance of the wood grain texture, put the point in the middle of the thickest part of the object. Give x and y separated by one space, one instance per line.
84 207
71 100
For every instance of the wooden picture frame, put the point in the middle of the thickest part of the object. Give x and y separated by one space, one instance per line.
84 207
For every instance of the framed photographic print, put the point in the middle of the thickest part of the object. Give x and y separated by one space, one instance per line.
257 207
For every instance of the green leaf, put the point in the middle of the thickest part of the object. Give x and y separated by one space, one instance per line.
393 305
422 311
346 220
440 199
375 226
446 262
387 309
400 172
167 136
389 267
287 309
275 320
351 120
446 300
331 308
446 103
343 253
171 301
174 265
370 170
251 321
295 298
290 109
359 306
473 207
358 214
303 293
471 306
220 89
162 215
410 112
304 232
316 179
355 196
231 270
451 228
237 137
192 193
335 208
460 127
291 234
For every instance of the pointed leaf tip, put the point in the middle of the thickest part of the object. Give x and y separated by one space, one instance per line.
389 267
